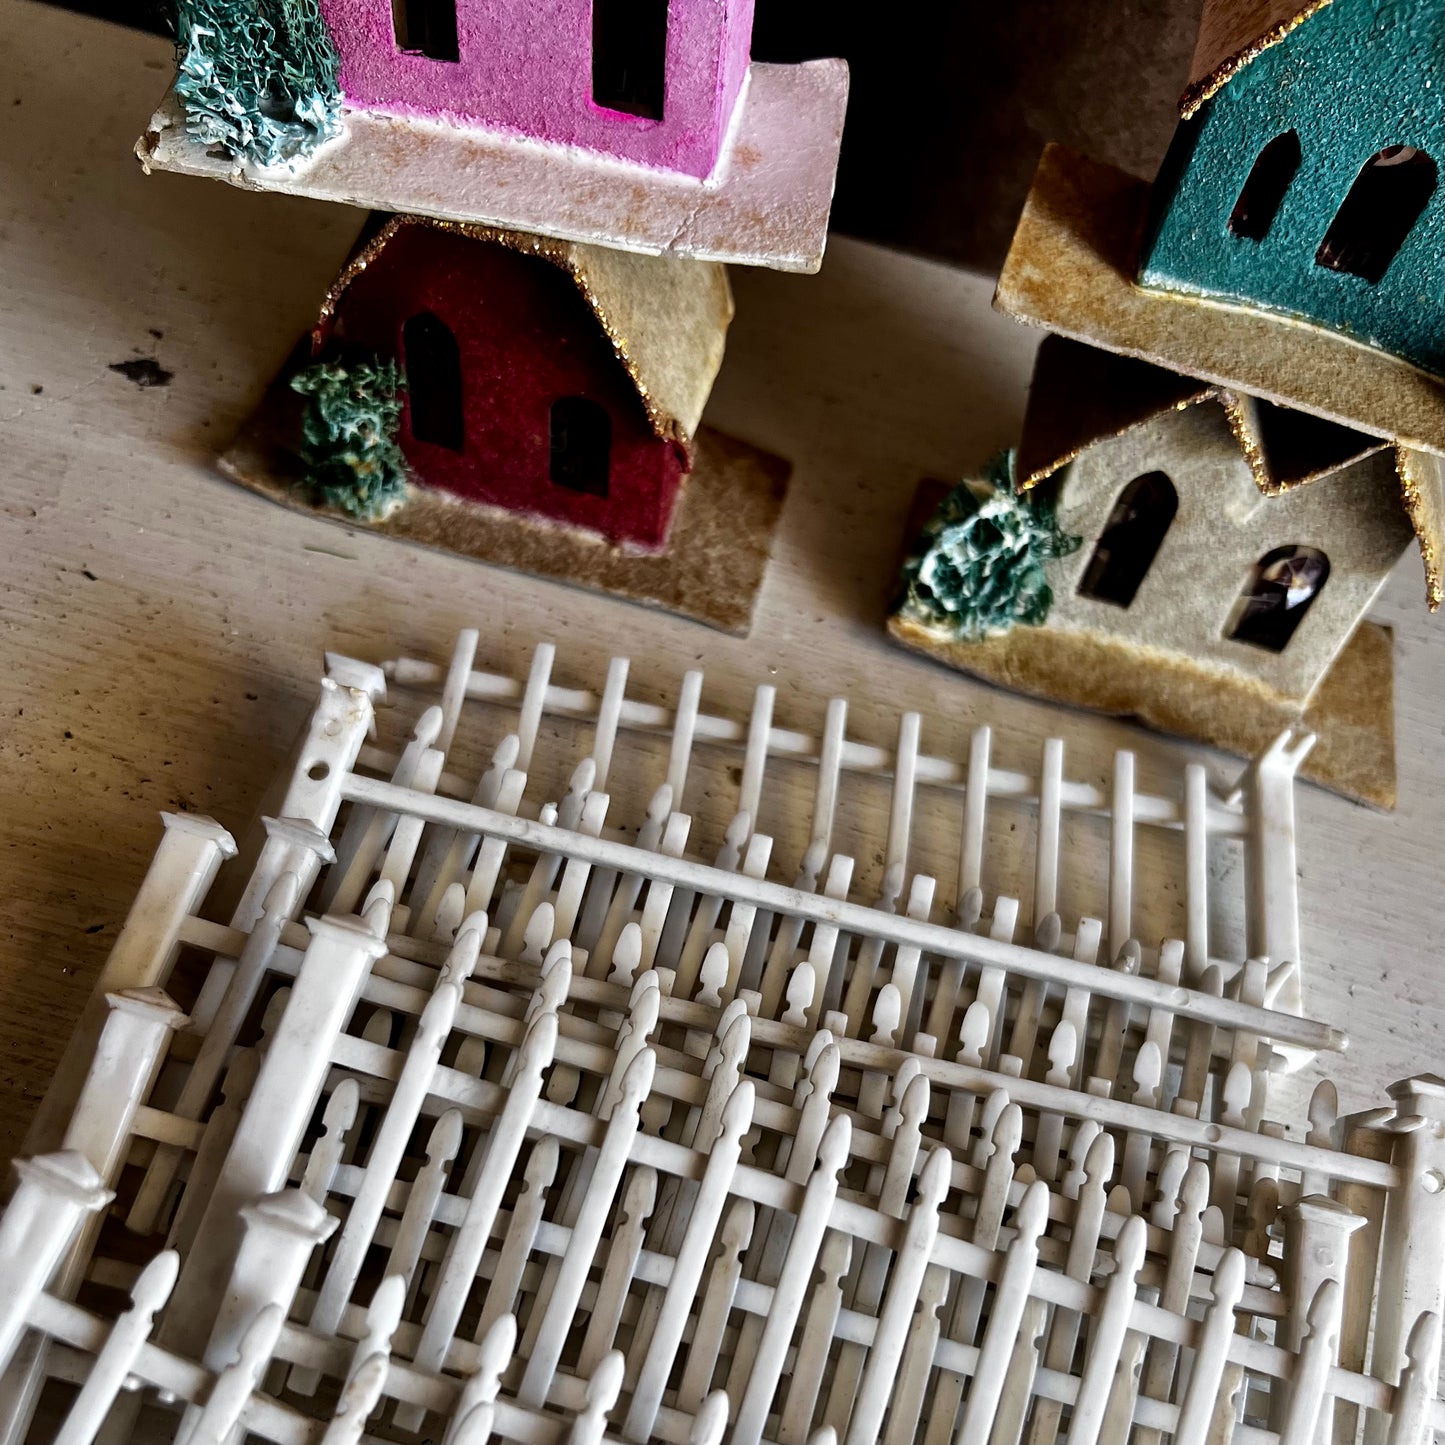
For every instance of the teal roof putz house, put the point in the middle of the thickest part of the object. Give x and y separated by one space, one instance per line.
1305 176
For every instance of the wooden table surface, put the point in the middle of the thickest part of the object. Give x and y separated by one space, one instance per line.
161 630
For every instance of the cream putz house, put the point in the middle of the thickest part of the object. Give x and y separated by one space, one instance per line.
1233 534
1186 554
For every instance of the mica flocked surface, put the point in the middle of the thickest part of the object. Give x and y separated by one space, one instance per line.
1070 268
1354 78
527 70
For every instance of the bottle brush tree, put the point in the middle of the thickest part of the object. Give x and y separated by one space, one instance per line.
979 568
257 77
349 434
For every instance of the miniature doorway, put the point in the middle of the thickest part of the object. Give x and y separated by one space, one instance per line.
629 56
1281 589
433 381
1264 190
426 27
1388 196
1131 539
581 445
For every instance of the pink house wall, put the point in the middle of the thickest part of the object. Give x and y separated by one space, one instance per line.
526 66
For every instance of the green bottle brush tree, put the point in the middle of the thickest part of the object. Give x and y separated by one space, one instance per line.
257 77
349 434
979 567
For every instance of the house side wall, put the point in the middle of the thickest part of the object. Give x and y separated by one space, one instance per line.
737 49
526 338
1356 77
526 66
1222 528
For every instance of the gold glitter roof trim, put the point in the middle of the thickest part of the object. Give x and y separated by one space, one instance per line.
1422 487
665 317
1232 33
1081 395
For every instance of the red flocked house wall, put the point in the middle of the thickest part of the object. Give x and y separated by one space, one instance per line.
515 396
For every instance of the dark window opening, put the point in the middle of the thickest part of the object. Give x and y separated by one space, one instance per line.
581 445
426 27
1131 539
629 55
1281 589
1387 198
433 381
1264 191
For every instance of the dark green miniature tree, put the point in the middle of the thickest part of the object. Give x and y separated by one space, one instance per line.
257 77
979 569
349 430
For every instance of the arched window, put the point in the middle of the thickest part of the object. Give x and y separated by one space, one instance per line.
581 445
1280 590
433 381
1263 192
629 55
426 27
1131 539
1387 198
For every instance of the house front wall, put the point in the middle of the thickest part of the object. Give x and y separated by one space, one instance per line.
1222 527
1355 78
526 66
525 339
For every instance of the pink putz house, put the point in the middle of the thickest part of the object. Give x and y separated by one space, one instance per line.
654 82
637 124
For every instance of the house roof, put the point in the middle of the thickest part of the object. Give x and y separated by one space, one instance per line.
1234 32
1081 395
666 317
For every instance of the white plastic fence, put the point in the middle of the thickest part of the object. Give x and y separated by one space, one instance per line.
498 1119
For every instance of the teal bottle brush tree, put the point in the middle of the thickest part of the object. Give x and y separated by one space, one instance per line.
257 77
979 568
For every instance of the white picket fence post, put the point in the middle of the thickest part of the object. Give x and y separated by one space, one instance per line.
339 956
191 851
55 1195
1411 1281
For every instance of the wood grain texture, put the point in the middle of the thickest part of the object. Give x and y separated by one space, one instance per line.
161 629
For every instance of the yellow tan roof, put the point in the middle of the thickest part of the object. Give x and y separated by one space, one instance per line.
666 317
1234 32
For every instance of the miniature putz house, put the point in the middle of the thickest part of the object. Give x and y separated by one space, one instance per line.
559 380
1198 553
1305 174
655 82
639 124
1293 245
1187 550
528 402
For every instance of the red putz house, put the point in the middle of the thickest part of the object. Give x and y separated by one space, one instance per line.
546 377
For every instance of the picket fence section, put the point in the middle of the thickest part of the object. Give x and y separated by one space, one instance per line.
497 1118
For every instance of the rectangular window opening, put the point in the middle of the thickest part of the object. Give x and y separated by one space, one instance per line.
629 56
426 27
580 446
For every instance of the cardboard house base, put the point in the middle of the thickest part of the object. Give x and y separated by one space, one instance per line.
1072 269
1351 712
711 569
766 203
